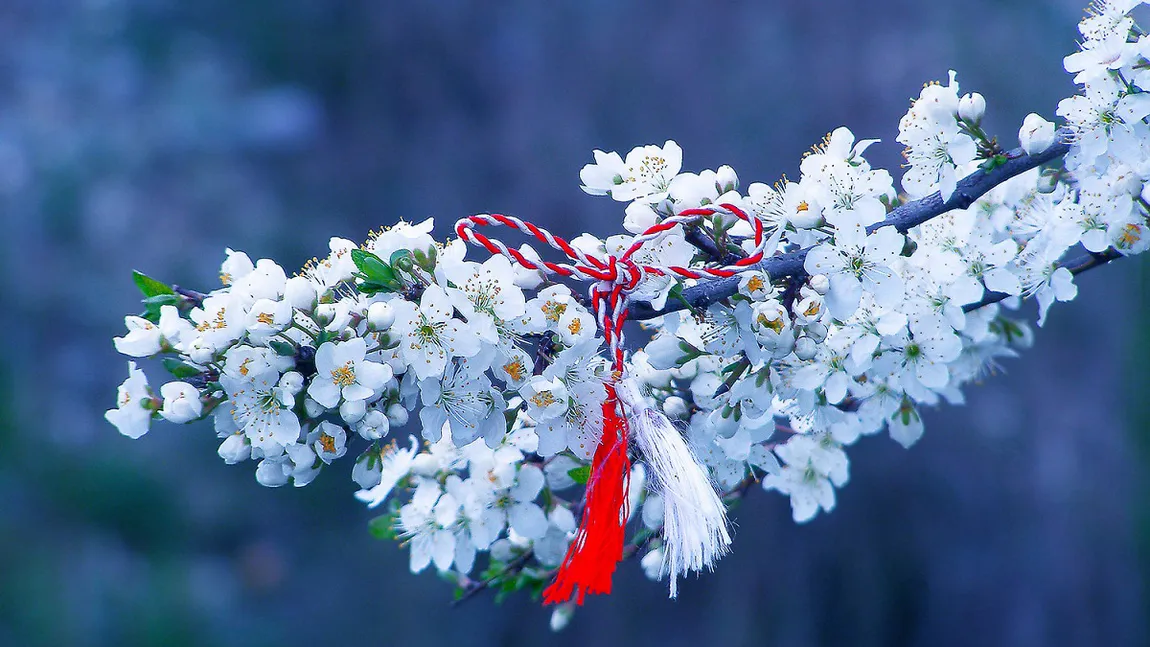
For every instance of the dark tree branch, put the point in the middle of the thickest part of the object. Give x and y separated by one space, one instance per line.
911 214
193 297
696 237
471 588
1076 266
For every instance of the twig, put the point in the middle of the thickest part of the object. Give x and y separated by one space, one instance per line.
1076 266
911 214
474 588
193 297
544 354
695 236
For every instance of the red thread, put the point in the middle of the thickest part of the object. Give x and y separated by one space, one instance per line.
598 546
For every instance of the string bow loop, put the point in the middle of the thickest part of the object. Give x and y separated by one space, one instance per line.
598 545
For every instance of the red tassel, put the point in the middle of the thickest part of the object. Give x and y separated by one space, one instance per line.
598 546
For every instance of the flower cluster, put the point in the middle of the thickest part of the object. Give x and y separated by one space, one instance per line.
770 385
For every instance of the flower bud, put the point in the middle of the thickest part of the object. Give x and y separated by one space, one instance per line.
820 283
817 331
561 616
687 371
352 411
313 408
638 217
666 351
341 319
502 549
270 473
234 450
526 279
726 179
397 415
1036 134
325 313
652 564
374 425
181 402
675 407
380 316
292 382
971 108
300 293
367 469
805 348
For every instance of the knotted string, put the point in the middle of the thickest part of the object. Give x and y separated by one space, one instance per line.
598 546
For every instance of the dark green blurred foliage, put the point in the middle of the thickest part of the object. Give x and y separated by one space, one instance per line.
151 134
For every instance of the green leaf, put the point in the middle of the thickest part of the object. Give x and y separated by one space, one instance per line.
382 527
401 258
372 266
149 286
282 348
580 474
425 259
180 370
994 162
153 304
376 275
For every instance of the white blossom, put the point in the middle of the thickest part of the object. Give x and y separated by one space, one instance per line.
343 370
131 416
181 402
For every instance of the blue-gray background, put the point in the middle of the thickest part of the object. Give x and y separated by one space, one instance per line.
151 134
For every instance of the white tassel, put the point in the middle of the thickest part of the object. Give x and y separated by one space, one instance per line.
695 531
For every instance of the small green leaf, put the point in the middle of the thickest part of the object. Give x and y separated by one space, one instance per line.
149 286
382 527
376 276
425 259
372 266
180 370
401 258
994 162
282 348
153 304
357 256
580 474
162 300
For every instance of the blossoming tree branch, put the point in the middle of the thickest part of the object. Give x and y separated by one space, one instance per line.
780 325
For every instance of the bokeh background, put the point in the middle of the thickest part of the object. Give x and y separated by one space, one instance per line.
152 134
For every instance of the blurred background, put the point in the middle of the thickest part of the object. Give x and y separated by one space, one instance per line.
152 134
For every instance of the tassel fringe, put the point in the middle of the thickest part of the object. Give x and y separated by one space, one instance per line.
598 546
695 530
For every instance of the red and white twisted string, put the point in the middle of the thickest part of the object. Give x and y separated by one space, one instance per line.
598 546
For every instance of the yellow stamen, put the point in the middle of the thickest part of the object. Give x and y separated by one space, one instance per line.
755 284
554 310
344 375
515 370
774 324
543 399
327 442
1131 234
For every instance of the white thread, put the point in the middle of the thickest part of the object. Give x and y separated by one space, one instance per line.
695 531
